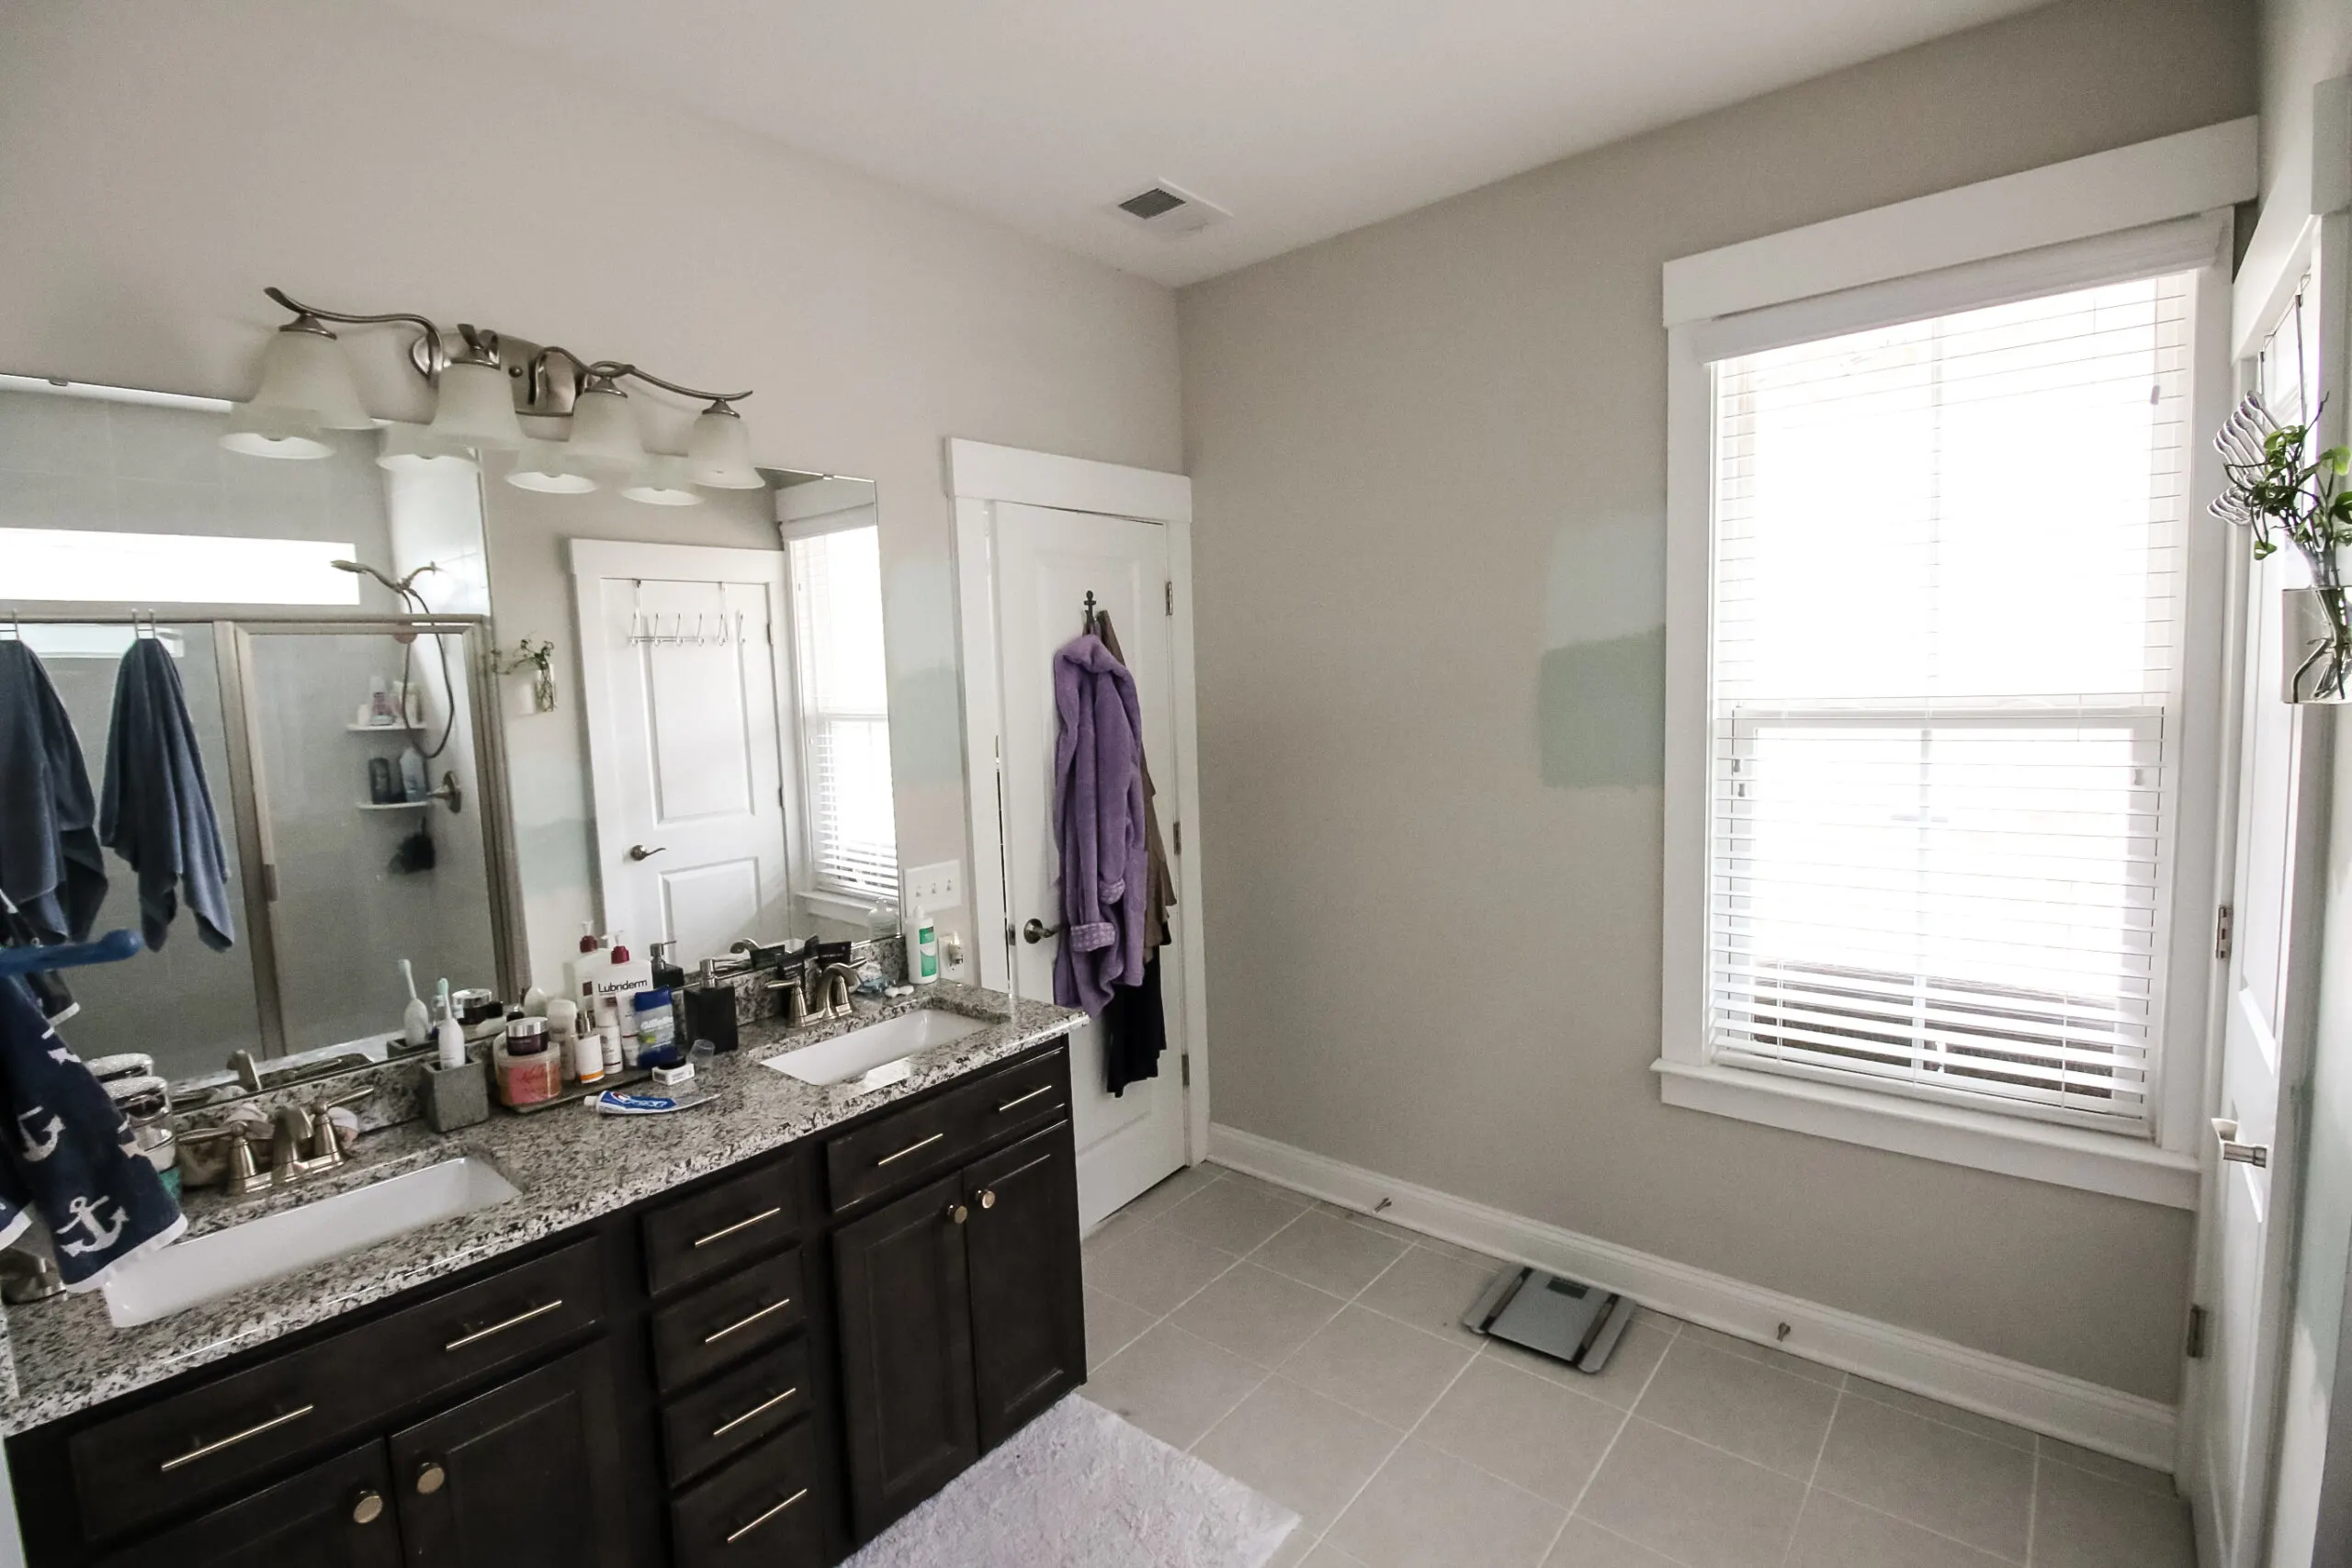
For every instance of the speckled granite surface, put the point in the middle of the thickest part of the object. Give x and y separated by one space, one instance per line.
571 1164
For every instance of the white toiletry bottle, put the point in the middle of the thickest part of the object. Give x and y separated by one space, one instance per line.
922 947
413 784
450 1038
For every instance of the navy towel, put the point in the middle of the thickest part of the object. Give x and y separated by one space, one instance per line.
50 864
70 1156
155 810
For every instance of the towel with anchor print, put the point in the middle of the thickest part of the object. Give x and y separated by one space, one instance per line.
67 1154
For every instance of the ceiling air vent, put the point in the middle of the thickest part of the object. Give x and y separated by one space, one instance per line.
1169 210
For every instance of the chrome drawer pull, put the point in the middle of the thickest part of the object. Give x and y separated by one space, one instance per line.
761 1408
479 1334
715 1337
740 1226
766 1516
209 1449
911 1148
1023 1100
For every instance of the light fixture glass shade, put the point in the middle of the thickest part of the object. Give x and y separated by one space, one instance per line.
410 449
258 432
475 408
663 480
719 454
550 467
304 374
603 429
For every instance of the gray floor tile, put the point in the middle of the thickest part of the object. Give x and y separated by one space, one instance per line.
1428 1289
1620 1382
1937 1410
1584 1544
1306 1452
1739 1405
1427 1509
1732 1344
2081 1521
1154 1267
1172 1385
1834 1534
1326 1555
1111 1326
1953 1482
1373 1222
1699 1505
2122 1470
1153 1204
1258 1313
1527 1429
1233 1215
1327 1253
1388 1370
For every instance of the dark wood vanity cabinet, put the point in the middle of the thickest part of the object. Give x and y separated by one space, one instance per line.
763 1367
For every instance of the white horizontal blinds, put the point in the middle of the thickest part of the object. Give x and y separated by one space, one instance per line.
1947 599
844 712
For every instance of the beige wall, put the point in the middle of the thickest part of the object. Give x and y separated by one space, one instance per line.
1429 470
167 158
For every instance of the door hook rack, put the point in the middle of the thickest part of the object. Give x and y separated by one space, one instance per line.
671 631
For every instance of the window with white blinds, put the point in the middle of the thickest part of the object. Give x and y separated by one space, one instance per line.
1946 570
844 712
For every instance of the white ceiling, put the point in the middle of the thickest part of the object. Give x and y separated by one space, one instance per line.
1302 117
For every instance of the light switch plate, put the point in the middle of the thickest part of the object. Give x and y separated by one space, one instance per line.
933 887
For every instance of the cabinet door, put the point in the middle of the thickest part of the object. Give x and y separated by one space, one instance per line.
906 1343
1028 1308
334 1515
527 1473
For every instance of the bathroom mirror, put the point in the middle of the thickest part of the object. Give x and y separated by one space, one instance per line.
765 806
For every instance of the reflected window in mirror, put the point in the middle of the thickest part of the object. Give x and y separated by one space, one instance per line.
844 718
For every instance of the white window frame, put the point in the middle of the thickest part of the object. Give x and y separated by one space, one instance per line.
2159 207
820 899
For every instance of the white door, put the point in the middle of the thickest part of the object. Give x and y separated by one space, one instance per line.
2271 1000
1047 562
680 682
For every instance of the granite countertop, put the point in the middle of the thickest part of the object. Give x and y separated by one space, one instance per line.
570 1165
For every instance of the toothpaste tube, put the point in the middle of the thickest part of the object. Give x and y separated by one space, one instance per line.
613 1102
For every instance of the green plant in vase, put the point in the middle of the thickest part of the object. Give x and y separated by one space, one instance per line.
2281 491
539 659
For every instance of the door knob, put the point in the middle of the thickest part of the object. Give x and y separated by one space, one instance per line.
987 1197
645 851
957 1213
2225 1130
367 1507
1038 931
429 1477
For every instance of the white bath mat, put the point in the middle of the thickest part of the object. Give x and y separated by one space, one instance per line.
1080 1488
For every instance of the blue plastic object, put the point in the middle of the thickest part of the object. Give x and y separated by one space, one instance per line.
111 948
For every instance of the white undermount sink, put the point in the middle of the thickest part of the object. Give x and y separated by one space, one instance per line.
222 1262
877 1054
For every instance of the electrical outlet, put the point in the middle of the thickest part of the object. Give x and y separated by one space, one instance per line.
933 887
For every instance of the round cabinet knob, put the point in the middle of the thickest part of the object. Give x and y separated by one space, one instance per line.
367 1507
957 1213
987 1198
429 1477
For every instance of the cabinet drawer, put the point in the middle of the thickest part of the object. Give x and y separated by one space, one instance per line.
763 1396
712 1231
723 1323
944 1130
762 1509
136 1467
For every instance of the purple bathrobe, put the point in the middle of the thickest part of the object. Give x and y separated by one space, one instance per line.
1099 827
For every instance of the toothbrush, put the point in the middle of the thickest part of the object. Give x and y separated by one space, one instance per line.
416 1024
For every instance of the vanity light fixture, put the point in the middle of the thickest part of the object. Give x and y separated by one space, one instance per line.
483 382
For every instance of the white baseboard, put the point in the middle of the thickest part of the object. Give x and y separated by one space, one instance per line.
2074 1409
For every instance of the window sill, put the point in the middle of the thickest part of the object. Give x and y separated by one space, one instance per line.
842 907
2065 1157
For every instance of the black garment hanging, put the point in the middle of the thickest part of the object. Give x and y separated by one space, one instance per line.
1135 1031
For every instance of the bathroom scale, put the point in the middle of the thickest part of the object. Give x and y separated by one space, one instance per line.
1554 1317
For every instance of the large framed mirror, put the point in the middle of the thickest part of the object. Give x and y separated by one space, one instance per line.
437 711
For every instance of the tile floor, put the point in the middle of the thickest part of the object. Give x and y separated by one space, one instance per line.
1317 1355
